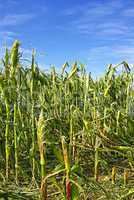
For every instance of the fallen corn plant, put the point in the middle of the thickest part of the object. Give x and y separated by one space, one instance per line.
67 119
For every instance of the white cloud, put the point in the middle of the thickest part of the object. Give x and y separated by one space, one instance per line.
93 8
100 18
6 35
128 12
112 31
26 53
43 9
15 19
73 10
114 25
12 2
126 52
100 57
111 53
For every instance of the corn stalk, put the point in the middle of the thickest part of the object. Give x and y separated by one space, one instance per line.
42 150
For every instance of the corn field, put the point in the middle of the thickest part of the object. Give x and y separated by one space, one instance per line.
65 135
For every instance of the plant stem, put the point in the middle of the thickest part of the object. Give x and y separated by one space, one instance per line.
7 138
67 167
15 143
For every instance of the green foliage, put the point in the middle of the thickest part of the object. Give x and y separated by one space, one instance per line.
94 118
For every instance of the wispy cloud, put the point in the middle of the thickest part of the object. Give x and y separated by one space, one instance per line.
112 53
8 35
43 8
93 8
112 31
101 56
15 19
108 28
128 12
73 10
125 51
27 52
12 2
100 18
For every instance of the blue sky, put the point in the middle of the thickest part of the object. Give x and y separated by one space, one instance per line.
94 32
